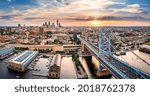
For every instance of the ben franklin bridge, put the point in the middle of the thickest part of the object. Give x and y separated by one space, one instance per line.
117 67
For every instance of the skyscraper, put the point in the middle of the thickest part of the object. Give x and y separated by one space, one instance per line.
43 25
57 23
49 23
19 25
24 25
53 25
46 25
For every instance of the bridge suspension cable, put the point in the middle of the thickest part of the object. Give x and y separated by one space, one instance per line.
114 48
110 44
131 50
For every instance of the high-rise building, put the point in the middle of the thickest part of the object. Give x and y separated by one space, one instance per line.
8 29
46 25
57 23
2 31
49 23
19 25
43 25
24 26
53 25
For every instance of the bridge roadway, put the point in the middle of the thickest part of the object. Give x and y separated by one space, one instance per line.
118 68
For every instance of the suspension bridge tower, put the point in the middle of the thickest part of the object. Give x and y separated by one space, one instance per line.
104 43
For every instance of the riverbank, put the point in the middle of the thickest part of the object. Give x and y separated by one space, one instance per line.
81 73
94 70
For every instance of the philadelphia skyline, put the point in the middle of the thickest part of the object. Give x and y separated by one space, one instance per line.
75 12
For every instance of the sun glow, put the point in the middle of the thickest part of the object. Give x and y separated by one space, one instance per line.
95 23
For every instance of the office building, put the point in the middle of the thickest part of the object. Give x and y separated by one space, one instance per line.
57 23
5 52
19 25
21 62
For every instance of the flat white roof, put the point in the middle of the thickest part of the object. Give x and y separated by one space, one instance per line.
5 50
26 55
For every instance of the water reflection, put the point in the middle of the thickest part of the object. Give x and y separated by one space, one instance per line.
67 68
86 67
68 71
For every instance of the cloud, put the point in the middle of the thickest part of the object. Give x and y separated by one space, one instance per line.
133 18
9 0
8 17
77 10
111 18
35 18
81 18
133 8
61 1
86 5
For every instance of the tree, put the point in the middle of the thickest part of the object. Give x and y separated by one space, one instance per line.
49 32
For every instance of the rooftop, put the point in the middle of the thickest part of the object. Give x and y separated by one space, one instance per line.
24 57
5 50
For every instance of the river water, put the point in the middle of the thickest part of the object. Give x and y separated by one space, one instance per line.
86 67
68 71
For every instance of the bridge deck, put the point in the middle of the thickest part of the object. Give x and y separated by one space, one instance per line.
119 68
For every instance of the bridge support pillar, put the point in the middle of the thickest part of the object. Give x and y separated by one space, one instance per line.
102 71
82 46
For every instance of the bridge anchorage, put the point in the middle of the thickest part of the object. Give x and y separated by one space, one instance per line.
117 67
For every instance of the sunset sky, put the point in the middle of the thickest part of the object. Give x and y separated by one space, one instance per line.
76 12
